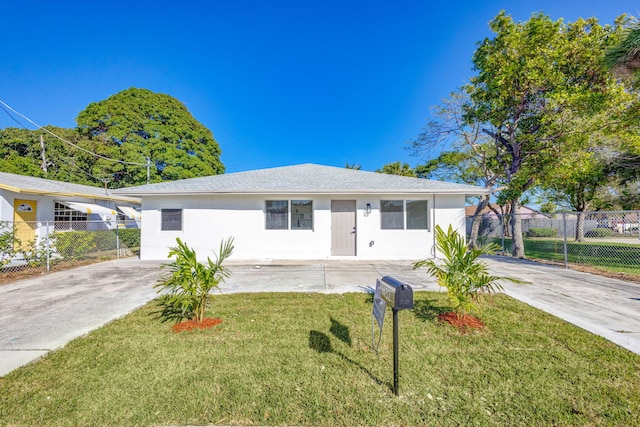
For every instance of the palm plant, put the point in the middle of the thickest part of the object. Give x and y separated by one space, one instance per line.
186 292
624 57
461 272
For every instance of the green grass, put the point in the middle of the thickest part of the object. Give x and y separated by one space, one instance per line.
305 359
609 256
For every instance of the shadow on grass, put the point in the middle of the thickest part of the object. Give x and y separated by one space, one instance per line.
320 342
426 310
340 331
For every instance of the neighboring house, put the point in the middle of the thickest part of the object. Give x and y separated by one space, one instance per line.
525 212
307 211
491 225
37 205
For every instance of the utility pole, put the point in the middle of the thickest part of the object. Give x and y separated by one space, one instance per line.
43 154
148 169
105 181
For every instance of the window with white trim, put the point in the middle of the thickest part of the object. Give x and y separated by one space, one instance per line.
65 213
393 214
171 219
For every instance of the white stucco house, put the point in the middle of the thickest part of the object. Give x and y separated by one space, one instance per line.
301 212
36 206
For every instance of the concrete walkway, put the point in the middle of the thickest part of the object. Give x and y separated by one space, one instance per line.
42 314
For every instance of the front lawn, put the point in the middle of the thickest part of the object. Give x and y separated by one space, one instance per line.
306 359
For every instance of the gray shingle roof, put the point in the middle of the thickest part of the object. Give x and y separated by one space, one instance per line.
41 186
305 178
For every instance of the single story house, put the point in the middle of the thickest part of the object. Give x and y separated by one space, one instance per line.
302 212
37 205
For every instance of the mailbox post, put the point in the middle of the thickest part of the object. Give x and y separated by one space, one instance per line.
400 297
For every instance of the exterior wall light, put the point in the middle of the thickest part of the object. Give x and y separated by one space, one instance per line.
368 209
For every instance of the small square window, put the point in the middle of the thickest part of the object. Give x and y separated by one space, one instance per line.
277 214
171 220
392 214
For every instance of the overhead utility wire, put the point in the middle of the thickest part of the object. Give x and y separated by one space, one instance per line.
60 158
68 142
13 118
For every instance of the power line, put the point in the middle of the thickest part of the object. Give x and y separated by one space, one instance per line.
64 140
13 118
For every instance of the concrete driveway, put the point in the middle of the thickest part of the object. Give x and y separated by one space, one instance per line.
42 314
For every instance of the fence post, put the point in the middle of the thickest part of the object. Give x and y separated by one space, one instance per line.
117 239
502 225
564 226
48 246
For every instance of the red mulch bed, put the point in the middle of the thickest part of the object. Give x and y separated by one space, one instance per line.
463 322
188 325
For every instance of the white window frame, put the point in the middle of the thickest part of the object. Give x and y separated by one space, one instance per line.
405 214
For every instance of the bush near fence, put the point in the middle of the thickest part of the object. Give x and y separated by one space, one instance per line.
542 232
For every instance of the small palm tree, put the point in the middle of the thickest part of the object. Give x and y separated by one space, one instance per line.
624 57
461 272
186 292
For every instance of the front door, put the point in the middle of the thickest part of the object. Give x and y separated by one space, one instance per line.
343 227
24 217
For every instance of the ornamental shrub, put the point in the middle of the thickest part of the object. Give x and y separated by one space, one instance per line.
543 232
130 237
75 245
600 232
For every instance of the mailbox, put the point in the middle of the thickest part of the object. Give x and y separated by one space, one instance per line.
397 294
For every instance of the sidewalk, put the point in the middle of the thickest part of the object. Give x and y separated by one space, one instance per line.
42 314
606 307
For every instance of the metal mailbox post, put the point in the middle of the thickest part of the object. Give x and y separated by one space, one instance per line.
400 297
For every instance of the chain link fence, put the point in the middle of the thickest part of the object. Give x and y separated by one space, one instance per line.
30 248
605 240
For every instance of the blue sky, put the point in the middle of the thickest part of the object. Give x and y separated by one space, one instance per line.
277 82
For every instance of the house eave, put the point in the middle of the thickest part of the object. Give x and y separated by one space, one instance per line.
36 192
313 192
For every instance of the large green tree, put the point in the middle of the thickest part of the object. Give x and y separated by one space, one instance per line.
40 154
469 155
534 80
137 124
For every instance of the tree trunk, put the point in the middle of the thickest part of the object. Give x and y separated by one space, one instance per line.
516 230
580 227
43 155
477 219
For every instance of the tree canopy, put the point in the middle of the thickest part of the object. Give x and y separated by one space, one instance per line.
137 124
112 142
397 168
539 83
